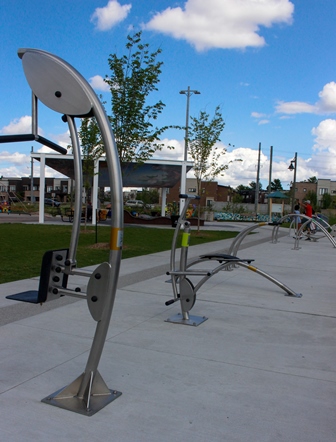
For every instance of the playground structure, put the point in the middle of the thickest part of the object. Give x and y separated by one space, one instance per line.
184 290
62 89
10 200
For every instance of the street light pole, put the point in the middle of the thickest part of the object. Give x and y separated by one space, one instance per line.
293 166
188 92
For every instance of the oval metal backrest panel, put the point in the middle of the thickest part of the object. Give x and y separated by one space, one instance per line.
55 83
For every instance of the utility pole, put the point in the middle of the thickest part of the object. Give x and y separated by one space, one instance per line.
293 166
256 202
188 93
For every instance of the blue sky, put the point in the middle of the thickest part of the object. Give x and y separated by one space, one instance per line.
269 64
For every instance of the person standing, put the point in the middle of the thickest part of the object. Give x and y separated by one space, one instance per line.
308 210
297 218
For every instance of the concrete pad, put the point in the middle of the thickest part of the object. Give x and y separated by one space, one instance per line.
261 368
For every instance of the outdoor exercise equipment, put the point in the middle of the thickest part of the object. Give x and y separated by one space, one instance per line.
319 225
184 289
63 89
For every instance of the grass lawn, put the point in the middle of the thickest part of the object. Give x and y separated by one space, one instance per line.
23 245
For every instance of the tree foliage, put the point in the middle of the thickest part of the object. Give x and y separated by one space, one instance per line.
133 77
253 185
204 133
276 185
326 200
242 187
91 147
312 197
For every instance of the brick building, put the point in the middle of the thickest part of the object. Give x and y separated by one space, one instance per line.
211 192
302 188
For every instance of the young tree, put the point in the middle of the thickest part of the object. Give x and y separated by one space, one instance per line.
312 197
133 77
326 200
204 133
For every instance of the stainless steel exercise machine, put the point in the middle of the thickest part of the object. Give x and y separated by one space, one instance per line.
184 289
61 88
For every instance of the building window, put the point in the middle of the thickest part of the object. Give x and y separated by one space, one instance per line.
323 190
304 189
192 189
12 188
65 189
49 189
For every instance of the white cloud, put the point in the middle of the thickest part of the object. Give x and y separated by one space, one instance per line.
324 156
295 107
97 82
327 102
322 163
325 105
224 24
263 118
257 115
15 158
110 15
18 126
325 134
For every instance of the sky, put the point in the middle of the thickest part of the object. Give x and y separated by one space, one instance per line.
269 65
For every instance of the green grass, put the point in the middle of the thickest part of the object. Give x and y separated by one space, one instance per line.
23 245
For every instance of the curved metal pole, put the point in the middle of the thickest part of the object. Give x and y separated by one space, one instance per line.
116 237
289 291
63 89
78 191
245 265
241 236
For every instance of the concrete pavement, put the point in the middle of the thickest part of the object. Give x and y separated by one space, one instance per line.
261 368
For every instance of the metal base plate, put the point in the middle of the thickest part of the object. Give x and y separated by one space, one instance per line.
78 405
193 320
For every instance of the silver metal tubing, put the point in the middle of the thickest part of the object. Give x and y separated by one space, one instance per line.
63 89
181 221
245 265
241 236
78 191
304 224
190 272
116 234
71 293
81 272
270 278
34 114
